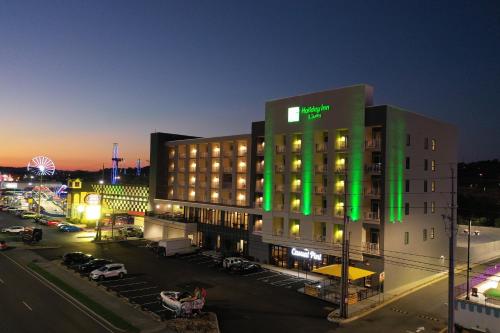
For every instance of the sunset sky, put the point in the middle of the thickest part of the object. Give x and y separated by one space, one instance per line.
77 76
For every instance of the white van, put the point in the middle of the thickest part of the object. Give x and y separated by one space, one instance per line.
176 246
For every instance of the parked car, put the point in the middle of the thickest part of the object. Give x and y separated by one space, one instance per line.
28 215
14 229
93 265
70 228
3 245
12 209
20 211
31 235
53 223
76 258
228 262
245 267
132 232
108 271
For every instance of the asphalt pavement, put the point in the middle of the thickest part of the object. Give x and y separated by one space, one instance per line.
28 305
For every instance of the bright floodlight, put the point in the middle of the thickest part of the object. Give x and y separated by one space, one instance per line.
42 166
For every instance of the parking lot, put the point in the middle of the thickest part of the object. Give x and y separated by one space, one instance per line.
266 301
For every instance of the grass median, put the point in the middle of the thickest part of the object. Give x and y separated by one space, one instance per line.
85 300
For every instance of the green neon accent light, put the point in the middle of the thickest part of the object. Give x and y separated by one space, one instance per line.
356 155
396 130
268 164
307 168
310 112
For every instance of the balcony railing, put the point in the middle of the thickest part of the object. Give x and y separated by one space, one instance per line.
182 168
373 144
372 191
278 233
294 236
214 184
320 238
242 169
280 149
320 168
258 204
319 211
203 154
321 147
228 153
295 209
215 153
182 155
296 149
228 169
319 189
214 200
372 216
260 150
296 188
373 168
259 168
241 186
341 145
340 169
279 168
338 212
203 184
242 151
279 188
278 207
203 169
241 202
371 248
227 201
259 187
296 169
339 190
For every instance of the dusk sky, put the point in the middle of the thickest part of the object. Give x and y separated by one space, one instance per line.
76 76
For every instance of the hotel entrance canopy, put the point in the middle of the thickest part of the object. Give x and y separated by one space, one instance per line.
336 271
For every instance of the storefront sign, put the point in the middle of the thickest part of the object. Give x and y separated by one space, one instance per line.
306 254
310 112
92 199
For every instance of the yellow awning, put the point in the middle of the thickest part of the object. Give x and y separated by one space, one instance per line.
336 270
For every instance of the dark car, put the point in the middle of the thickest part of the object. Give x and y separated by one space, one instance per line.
93 264
132 232
245 267
76 258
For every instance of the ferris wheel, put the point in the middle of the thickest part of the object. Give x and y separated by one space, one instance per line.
41 166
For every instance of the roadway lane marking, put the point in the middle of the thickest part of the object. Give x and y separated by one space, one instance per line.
29 307
1 281
129 291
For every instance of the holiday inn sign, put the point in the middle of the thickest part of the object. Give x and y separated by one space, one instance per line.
311 112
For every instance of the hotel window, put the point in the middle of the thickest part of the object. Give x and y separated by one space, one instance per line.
433 144
407 208
425 207
433 206
408 139
426 143
433 165
407 238
432 233
424 235
407 163
425 185
426 164
407 185
433 186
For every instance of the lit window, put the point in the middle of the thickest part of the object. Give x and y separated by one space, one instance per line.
433 206
407 238
433 165
433 186
433 144
424 235
432 233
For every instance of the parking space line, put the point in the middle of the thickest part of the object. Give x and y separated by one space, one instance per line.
281 284
29 307
129 291
256 273
124 279
268 277
1 281
204 262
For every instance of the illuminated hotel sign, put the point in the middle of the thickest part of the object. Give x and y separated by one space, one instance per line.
311 112
306 254
92 199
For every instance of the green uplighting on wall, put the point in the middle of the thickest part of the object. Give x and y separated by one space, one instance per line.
307 168
268 164
356 156
395 157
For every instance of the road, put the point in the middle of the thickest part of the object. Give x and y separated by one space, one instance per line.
28 305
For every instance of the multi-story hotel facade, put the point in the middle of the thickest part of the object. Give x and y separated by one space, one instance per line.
281 192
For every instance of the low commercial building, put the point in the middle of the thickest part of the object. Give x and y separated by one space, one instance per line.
280 193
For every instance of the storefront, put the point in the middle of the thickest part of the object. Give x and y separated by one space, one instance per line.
299 258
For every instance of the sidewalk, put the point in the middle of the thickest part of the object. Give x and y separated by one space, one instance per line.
137 318
300 274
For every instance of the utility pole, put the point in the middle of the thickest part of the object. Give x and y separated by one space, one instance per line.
468 257
344 278
39 196
451 268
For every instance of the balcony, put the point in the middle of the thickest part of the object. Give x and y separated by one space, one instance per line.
203 184
341 145
259 168
214 184
280 149
215 168
373 144
339 190
278 233
203 154
259 187
373 216
228 153
320 168
295 209
226 201
279 168
339 212
215 152
319 189
279 188
296 149
321 148
242 186
319 238
294 236
228 169
371 248
214 200
242 151
182 168
296 188
319 211
182 154
203 169
258 204
372 191
278 207
297 168
242 169
171 168
241 202
375 168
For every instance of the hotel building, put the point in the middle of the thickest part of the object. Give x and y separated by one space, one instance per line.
281 192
